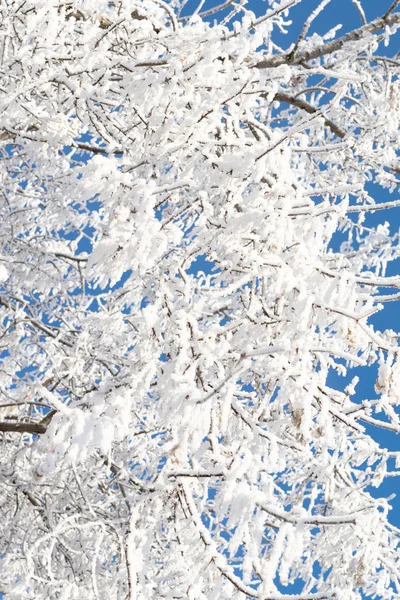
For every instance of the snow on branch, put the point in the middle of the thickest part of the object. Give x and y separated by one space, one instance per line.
196 350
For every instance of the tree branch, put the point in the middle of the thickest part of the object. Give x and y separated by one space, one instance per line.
330 47
21 427
303 105
309 520
391 8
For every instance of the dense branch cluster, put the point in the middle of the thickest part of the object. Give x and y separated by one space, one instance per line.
184 263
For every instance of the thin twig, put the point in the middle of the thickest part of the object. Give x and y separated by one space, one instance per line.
360 9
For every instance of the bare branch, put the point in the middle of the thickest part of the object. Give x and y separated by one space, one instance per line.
391 8
303 105
19 427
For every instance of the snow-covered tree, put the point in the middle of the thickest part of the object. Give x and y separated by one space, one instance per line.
187 257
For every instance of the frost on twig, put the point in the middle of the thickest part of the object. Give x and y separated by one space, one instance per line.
189 278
